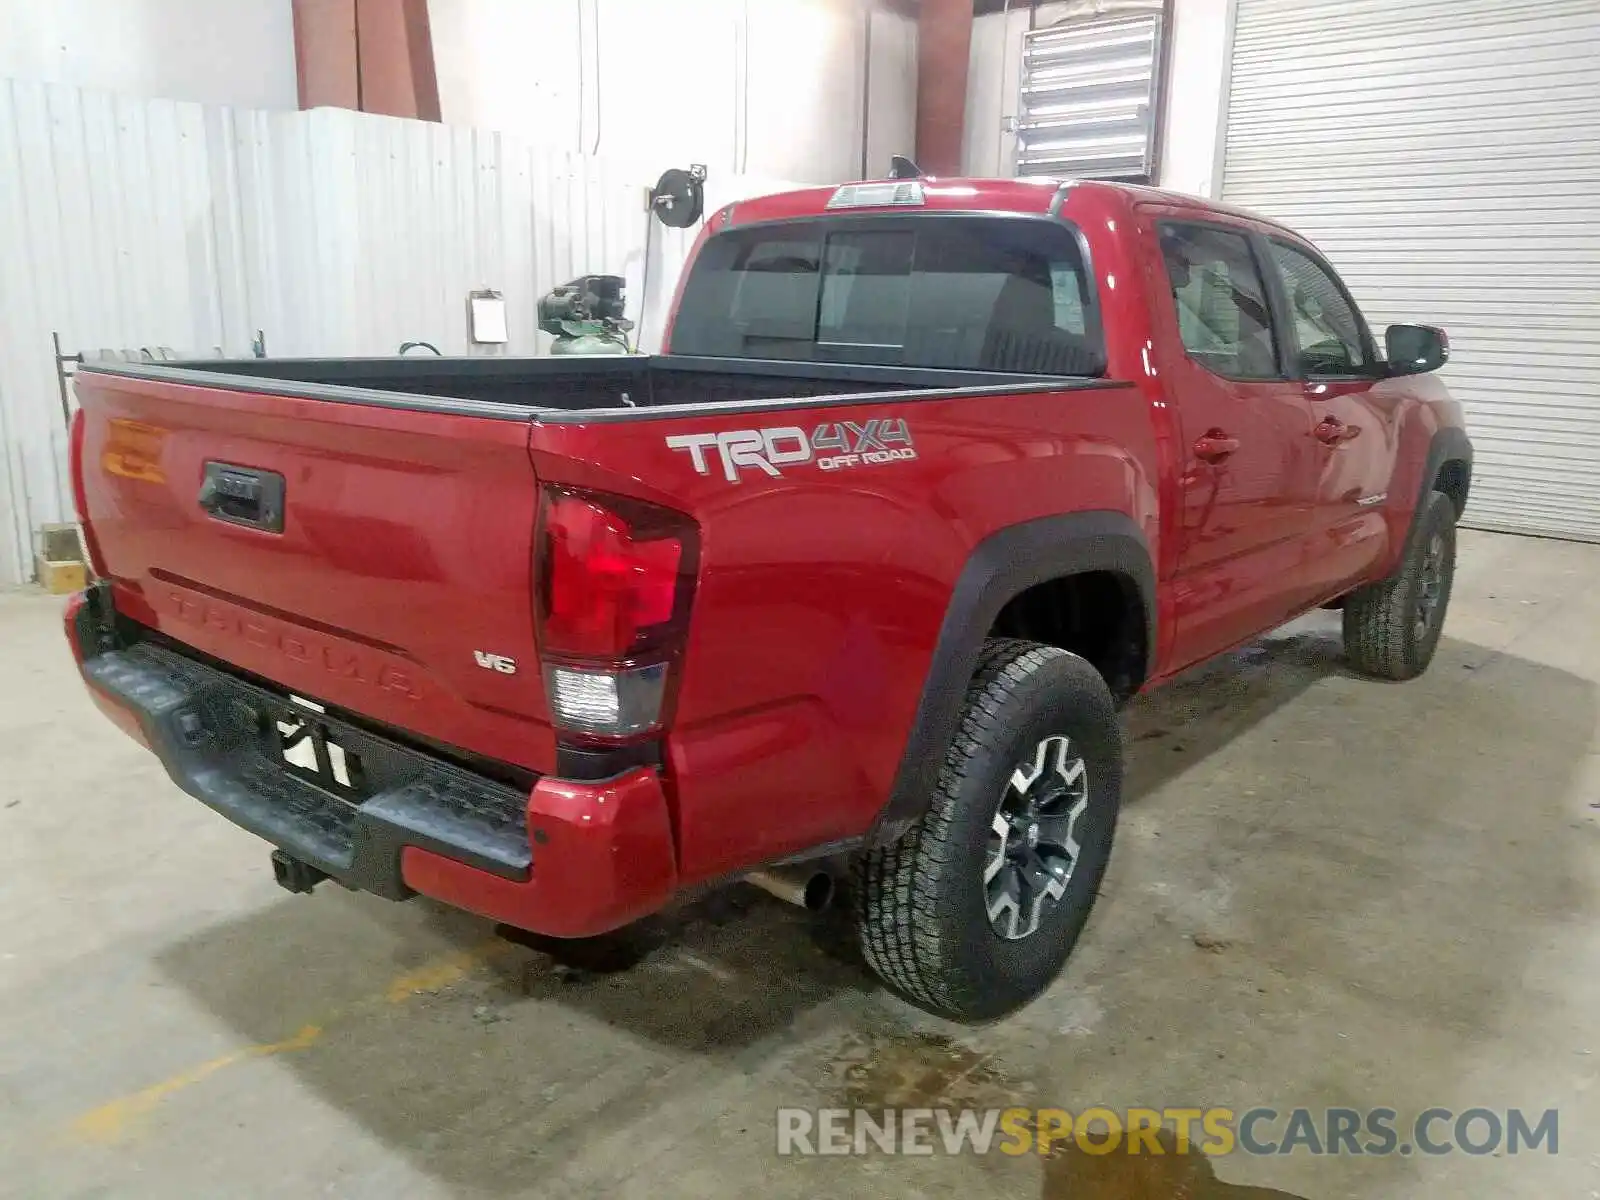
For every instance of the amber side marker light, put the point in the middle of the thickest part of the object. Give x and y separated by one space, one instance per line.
133 451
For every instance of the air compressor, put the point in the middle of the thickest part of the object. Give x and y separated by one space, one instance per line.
585 315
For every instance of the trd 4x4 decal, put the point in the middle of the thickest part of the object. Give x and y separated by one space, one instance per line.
831 447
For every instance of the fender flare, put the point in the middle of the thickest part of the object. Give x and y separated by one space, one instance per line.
1446 444
1002 566
1449 444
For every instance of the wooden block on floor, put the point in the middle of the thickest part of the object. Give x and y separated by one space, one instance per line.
60 577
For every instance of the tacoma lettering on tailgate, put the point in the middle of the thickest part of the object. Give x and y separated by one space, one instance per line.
301 646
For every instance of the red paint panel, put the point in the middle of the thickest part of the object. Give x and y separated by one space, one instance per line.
602 857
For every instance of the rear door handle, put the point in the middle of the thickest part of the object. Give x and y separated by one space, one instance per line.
1214 446
1331 432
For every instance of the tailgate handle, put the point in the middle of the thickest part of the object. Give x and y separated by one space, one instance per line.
243 496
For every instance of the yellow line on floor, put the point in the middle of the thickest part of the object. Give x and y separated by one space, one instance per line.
440 973
111 1121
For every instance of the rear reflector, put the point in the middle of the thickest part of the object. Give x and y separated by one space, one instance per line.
892 193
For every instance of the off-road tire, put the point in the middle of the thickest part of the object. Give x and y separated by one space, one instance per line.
922 912
1383 634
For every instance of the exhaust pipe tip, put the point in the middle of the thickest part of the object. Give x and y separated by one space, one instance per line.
818 893
805 887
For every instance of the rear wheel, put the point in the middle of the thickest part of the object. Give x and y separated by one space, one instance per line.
974 911
1392 627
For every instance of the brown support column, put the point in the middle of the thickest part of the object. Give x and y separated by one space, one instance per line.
396 58
370 55
944 45
325 53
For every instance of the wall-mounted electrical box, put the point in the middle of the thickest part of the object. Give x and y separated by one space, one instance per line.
486 318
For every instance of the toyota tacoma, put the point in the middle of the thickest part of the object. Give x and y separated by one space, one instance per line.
932 476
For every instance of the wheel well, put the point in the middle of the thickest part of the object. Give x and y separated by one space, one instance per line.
1098 615
1453 480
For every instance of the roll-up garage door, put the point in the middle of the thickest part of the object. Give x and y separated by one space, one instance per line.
1445 154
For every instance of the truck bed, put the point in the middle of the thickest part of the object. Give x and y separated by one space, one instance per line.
551 387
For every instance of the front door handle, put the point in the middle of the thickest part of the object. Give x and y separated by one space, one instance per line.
1331 432
1213 446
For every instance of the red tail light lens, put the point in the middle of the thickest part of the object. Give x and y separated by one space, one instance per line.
616 577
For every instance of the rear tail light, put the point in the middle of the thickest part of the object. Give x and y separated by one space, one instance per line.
615 580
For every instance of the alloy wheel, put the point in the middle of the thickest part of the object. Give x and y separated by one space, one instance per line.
1035 839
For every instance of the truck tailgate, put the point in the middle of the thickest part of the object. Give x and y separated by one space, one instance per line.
372 558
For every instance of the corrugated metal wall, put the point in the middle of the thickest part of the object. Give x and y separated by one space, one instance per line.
132 223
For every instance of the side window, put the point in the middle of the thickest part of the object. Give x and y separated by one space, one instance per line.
1327 332
773 293
1221 302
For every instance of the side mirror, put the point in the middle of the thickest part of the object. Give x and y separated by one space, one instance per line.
1415 349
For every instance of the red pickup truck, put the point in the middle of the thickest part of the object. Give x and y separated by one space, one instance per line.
934 475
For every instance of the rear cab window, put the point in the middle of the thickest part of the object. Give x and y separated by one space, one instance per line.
980 293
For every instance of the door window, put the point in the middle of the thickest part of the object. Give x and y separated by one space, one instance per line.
1327 331
1223 315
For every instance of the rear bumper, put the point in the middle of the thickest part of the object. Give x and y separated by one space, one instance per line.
567 858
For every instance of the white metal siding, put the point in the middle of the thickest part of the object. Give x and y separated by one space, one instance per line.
1443 154
130 223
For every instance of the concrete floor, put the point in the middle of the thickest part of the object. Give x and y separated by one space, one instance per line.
1326 891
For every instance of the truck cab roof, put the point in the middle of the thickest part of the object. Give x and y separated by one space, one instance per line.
1033 195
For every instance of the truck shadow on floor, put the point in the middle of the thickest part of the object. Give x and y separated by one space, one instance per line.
1178 725
512 1065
